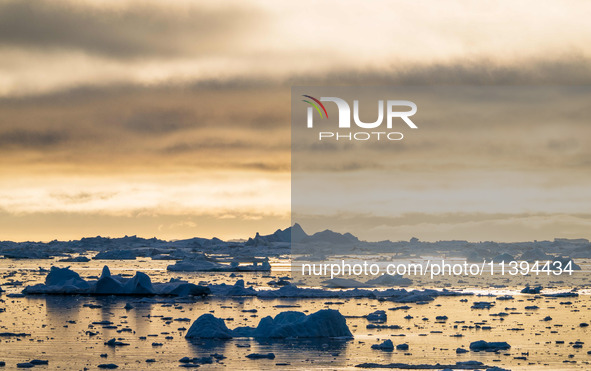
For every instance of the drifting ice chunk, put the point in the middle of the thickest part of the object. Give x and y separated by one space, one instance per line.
261 356
324 323
194 265
78 259
290 324
531 290
202 264
209 327
344 283
116 255
386 345
390 280
377 316
481 345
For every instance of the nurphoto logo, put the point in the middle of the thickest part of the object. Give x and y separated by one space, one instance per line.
392 111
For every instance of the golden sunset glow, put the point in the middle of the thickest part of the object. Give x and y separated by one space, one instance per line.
172 119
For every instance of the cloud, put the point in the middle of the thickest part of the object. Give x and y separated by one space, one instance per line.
33 139
162 127
232 43
134 30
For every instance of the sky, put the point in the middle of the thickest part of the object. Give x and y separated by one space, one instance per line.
172 119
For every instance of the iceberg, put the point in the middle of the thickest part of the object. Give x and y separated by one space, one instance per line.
203 264
116 255
377 316
344 283
390 280
77 259
106 284
64 281
326 323
386 345
481 345
209 327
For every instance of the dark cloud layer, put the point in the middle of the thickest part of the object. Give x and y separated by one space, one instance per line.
32 139
134 31
136 126
246 122
563 69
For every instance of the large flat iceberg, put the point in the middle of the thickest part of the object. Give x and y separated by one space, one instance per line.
64 281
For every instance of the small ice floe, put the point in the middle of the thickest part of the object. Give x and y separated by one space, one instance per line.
377 316
387 345
196 361
344 283
482 305
30 364
504 258
37 362
372 326
261 356
77 259
238 289
115 343
322 324
116 255
13 334
531 290
416 296
195 264
15 295
403 307
281 282
108 366
569 294
467 365
128 306
484 346
92 306
390 280
201 263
